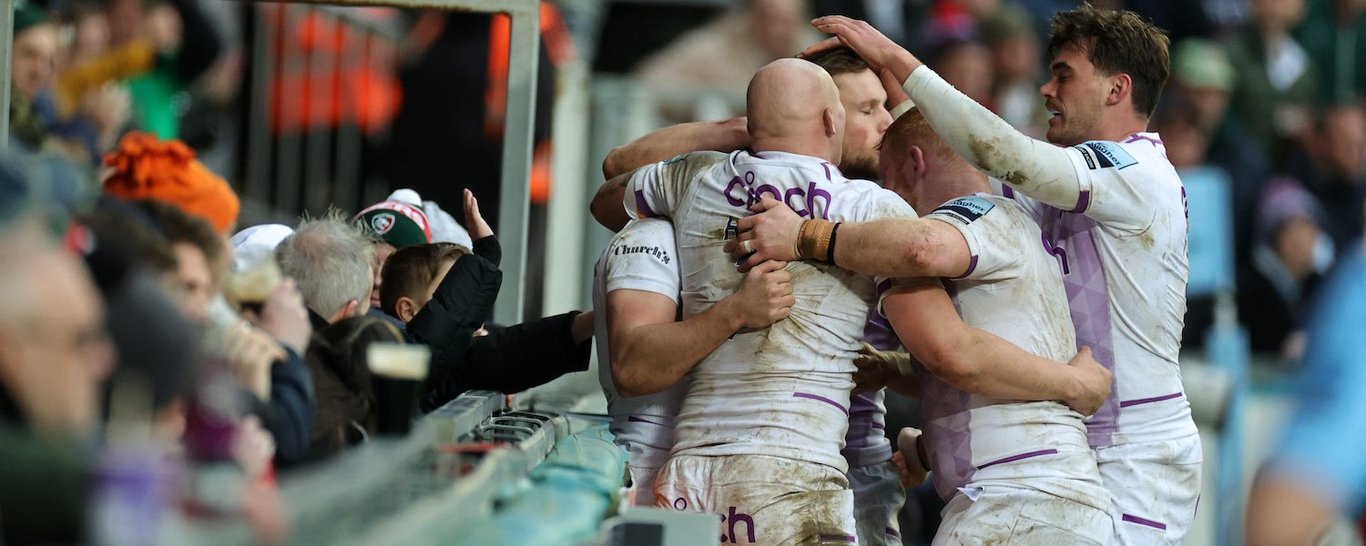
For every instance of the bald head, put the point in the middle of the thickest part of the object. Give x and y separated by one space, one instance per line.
794 106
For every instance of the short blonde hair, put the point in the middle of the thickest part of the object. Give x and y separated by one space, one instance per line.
912 129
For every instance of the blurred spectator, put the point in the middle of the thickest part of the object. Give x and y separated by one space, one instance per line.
901 20
1334 34
1015 64
54 354
1203 78
1332 167
143 167
332 260
341 376
35 124
185 45
1277 83
1317 471
33 60
201 259
967 65
722 56
1289 257
1176 120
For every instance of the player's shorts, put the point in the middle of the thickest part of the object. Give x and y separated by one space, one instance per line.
1005 514
642 485
1154 489
762 499
878 497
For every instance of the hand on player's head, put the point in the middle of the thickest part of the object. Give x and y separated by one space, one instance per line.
771 234
879 51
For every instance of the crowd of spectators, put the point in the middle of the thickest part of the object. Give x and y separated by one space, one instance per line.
140 325
146 347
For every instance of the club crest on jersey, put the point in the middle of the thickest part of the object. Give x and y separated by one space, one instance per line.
382 223
965 209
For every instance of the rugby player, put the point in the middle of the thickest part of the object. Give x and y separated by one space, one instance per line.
644 354
1112 211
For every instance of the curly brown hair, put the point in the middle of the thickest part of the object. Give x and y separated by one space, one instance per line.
1117 42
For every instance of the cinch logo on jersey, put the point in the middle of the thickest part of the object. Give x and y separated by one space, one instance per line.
659 253
966 209
743 193
1106 155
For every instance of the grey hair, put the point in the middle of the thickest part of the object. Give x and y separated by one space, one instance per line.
331 261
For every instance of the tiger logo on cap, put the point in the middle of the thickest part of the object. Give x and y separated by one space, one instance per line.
382 223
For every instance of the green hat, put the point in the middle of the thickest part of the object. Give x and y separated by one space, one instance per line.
398 224
1198 62
27 14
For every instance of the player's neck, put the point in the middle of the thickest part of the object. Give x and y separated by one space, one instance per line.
806 147
945 186
1118 126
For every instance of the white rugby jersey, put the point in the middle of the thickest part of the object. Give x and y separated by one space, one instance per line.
1122 248
1013 289
866 441
783 390
642 257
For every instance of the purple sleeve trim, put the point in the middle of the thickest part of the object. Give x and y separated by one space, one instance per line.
642 207
972 266
1142 521
634 419
1020 457
878 425
838 538
1083 202
1137 137
820 398
1141 401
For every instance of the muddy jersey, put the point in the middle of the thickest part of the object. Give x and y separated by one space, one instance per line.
640 257
783 390
1013 289
1122 250
866 441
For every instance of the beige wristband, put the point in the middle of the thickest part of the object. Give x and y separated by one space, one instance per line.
813 240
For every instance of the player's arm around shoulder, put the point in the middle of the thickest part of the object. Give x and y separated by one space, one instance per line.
981 363
649 190
650 351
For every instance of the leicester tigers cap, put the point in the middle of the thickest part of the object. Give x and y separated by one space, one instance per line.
398 224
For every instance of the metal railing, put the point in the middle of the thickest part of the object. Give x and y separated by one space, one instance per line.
300 164
306 119
311 171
